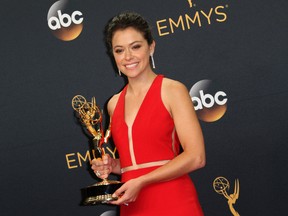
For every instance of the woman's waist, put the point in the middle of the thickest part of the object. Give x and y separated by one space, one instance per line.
144 165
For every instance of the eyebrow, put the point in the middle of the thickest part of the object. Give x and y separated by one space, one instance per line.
128 44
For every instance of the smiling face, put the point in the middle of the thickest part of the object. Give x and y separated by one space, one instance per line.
131 52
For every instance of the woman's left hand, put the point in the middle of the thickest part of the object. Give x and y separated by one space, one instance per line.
128 192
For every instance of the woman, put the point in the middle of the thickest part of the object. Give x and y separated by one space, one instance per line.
150 118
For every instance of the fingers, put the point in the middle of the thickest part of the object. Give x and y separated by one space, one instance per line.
121 201
122 198
104 162
102 166
127 193
105 159
119 193
98 174
102 174
97 164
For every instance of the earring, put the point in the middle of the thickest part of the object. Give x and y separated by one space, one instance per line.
152 60
119 72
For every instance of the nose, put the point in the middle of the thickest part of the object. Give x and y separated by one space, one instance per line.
128 54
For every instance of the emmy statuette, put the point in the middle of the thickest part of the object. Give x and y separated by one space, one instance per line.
91 117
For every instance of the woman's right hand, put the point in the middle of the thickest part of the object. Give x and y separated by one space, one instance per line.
102 167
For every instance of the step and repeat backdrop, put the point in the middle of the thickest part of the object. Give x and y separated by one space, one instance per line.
232 55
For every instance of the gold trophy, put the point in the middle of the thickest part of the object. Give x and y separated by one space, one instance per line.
91 117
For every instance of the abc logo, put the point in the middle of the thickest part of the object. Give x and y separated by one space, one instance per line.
210 105
65 26
64 20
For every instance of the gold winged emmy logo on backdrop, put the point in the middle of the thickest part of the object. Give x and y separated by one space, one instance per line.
221 185
91 118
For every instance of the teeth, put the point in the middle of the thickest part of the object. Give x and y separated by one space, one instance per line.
131 65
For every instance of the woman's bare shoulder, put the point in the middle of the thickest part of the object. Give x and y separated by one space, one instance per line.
173 87
173 93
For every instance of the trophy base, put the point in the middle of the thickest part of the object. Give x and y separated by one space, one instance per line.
100 193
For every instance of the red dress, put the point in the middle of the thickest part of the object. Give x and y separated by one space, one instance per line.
153 143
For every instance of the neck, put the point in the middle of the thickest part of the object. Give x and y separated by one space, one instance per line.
140 84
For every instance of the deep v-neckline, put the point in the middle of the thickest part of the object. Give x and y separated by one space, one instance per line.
141 105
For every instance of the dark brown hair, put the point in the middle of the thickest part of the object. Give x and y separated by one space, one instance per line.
125 20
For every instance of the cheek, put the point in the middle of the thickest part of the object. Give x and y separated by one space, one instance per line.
117 60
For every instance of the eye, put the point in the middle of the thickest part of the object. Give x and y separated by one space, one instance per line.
118 50
136 46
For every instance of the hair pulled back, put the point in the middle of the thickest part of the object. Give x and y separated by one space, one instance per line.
125 20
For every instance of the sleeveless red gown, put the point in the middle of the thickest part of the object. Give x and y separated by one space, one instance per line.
154 142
